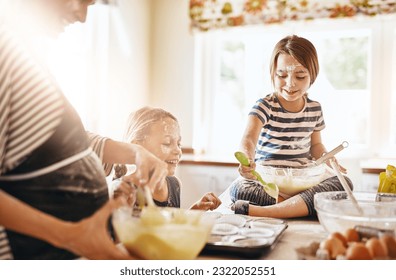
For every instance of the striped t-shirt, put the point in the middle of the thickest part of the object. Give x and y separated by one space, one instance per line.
285 138
31 108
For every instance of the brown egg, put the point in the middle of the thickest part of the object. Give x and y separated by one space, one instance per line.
352 235
333 246
377 249
390 243
341 237
357 251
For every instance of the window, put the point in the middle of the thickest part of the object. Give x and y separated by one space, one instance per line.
357 68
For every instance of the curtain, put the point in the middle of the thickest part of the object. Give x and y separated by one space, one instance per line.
214 14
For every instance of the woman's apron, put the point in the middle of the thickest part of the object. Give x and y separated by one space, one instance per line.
63 177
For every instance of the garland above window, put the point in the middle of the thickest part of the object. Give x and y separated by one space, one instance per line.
213 14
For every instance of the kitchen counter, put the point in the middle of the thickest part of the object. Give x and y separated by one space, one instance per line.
301 232
207 160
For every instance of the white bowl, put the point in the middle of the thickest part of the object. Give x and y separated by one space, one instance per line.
292 181
336 211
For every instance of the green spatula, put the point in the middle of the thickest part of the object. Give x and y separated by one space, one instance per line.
270 188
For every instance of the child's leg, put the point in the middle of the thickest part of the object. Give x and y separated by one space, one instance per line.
328 185
250 190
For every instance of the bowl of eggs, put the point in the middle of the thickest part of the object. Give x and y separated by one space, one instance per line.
337 212
293 180
162 233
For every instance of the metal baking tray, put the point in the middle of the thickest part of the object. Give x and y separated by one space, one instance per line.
243 236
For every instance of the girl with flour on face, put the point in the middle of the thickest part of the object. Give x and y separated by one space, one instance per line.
284 130
159 132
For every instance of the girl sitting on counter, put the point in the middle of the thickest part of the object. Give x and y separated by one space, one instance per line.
284 130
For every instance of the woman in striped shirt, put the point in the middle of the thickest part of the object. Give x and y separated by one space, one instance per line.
284 130
54 201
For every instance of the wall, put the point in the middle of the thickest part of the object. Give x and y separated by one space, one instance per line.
172 63
128 69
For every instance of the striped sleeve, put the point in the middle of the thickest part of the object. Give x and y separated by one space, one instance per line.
31 105
97 143
261 110
5 250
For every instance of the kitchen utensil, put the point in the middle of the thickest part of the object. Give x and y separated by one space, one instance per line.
332 153
149 197
346 186
270 188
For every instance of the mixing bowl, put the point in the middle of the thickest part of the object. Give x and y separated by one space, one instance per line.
291 181
336 212
162 233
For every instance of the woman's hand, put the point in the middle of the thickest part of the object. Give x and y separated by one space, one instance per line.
124 189
87 238
208 202
90 238
150 170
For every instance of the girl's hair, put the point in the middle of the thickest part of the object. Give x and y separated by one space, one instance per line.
140 121
300 49
138 127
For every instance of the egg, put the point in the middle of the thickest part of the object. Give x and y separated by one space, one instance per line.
357 251
352 235
333 246
377 249
390 243
341 237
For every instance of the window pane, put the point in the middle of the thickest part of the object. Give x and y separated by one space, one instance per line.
342 85
345 62
229 97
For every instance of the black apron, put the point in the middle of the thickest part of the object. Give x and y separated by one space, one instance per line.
70 193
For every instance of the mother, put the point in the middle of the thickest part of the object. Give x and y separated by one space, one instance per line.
52 182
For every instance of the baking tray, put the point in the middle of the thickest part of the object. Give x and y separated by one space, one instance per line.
243 236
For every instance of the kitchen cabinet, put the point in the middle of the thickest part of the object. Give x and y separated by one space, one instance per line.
198 178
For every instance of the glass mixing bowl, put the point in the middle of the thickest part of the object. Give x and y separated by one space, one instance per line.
291 181
162 233
336 212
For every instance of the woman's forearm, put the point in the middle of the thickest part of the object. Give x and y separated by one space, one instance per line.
119 152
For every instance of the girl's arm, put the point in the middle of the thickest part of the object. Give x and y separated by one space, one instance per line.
317 147
88 238
248 145
250 136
